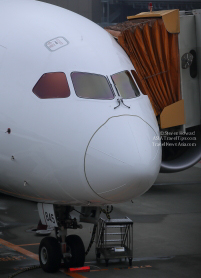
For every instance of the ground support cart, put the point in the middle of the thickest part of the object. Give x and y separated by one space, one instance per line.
114 239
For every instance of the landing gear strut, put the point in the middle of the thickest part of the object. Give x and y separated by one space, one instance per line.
69 249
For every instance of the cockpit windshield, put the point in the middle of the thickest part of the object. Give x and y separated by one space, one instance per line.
91 86
125 85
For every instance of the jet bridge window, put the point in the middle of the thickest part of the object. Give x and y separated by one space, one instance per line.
125 85
52 85
91 86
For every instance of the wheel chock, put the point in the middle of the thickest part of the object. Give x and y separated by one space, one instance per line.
79 269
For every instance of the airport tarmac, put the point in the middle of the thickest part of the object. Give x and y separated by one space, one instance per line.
166 233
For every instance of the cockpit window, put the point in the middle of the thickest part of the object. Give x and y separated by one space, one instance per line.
91 86
125 85
52 85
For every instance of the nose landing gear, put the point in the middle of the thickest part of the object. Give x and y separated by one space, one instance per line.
67 249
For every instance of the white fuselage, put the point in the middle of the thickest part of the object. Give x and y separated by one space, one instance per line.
69 150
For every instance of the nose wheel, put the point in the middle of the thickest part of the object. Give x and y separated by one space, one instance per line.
50 254
77 251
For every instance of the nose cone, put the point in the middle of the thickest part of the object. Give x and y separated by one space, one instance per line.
122 159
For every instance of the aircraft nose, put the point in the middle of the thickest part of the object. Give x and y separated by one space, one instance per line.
123 158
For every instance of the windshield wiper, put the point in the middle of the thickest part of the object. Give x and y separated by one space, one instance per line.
120 100
124 103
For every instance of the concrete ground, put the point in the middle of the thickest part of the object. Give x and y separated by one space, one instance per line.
167 233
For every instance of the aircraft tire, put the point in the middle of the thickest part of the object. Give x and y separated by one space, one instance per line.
50 254
77 250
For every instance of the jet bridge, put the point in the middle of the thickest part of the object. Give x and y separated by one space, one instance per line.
165 49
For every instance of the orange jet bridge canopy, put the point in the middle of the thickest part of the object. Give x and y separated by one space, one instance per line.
154 52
